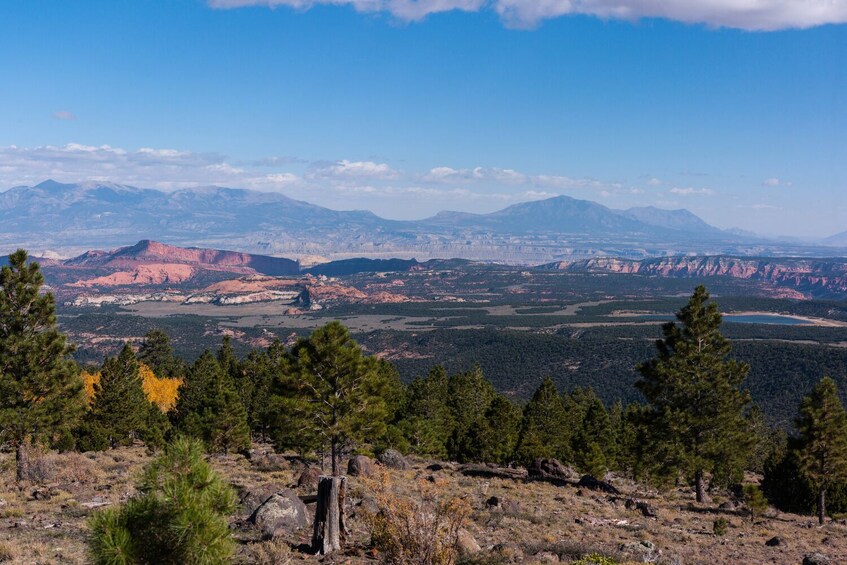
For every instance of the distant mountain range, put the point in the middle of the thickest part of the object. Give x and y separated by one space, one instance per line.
69 218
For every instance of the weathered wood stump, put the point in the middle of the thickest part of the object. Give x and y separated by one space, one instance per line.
330 529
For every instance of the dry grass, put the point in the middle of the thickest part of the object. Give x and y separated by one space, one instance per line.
533 521
422 529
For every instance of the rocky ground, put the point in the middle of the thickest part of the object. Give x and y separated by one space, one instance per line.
510 520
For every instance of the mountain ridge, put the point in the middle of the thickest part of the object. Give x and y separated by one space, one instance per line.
71 218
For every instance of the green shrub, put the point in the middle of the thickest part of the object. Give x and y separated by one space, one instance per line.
180 516
594 559
720 527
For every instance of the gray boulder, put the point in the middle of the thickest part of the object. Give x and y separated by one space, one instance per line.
466 544
281 514
360 466
815 559
644 551
252 499
393 459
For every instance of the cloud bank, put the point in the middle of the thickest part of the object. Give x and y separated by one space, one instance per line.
341 183
752 15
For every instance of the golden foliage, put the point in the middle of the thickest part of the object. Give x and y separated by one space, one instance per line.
161 392
420 529
89 380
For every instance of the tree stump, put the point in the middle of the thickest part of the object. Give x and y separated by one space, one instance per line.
330 529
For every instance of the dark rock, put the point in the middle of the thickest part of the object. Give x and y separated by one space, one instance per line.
550 469
775 542
281 514
360 466
437 467
493 502
815 559
587 481
308 479
393 459
646 509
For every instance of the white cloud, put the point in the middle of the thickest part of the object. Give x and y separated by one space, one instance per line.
346 170
64 115
754 15
689 191
654 182
760 207
775 182
336 184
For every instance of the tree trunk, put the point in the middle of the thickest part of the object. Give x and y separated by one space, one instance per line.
334 456
699 488
821 505
330 529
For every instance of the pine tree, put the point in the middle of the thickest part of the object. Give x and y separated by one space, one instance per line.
546 424
755 501
120 410
594 441
823 431
179 517
469 396
333 395
697 408
157 353
492 438
41 392
209 407
426 420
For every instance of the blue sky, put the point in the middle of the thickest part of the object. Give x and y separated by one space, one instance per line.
407 108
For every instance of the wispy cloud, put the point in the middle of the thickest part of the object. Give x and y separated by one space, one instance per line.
775 182
339 183
690 191
759 207
64 115
754 15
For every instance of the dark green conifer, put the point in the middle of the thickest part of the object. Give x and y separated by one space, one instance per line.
209 407
469 395
823 433
41 392
594 440
333 395
157 353
179 516
546 425
120 411
427 422
697 407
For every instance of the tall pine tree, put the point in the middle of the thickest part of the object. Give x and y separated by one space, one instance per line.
41 392
823 433
209 407
697 407
119 411
157 353
334 395
545 429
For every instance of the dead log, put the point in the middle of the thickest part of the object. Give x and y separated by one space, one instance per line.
330 530
488 472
